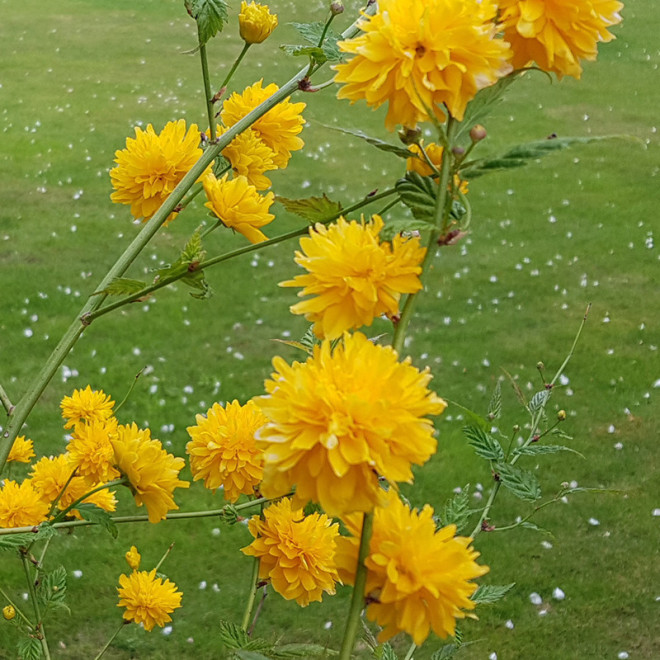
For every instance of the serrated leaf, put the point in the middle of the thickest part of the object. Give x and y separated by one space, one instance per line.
538 450
52 588
98 516
388 147
193 250
538 401
385 652
313 209
456 510
445 652
491 593
524 153
29 649
520 395
562 434
312 33
521 483
211 16
122 286
16 541
485 445
394 227
417 192
232 636
315 52
495 404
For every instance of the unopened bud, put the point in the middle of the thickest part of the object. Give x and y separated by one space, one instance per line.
457 151
478 133
410 135
516 428
8 612
336 8
561 415
540 366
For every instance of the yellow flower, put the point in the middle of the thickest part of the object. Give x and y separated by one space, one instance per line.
133 558
255 22
151 166
352 276
341 420
278 128
8 612
557 34
296 552
152 472
51 474
86 406
90 451
423 54
147 599
434 152
223 450
250 157
418 577
20 505
22 451
239 206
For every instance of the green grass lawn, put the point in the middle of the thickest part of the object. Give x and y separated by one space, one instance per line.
577 228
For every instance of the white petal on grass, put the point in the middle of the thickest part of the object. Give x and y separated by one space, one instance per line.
558 594
656 513
77 574
594 521
535 599
509 624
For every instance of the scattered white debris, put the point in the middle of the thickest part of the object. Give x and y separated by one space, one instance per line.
77 574
547 545
558 594
215 531
656 512
623 655
167 630
594 521
202 584
618 446
509 624
611 428
327 625
535 599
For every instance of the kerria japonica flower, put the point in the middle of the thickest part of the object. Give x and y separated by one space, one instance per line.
423 56
418 576
86 406
342 420
22 451
20 504
255 22
557 34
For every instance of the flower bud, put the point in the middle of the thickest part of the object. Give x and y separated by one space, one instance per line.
410 135
255 22
8 612
540 366
478 133
336 8
133 558
458 151
561 415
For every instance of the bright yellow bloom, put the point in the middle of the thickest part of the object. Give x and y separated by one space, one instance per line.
557 34
296 552
255 22
434 152
423 54
278 128
352 276
250 157
86 406
133 558
239 205
90 451
152 165
223 450
20 505
418 577
147 599
153 474
341 420
8 612
22 451
51 474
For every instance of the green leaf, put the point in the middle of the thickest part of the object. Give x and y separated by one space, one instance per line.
495 405
521 483
491 593
445 652
52 588
211 16
186 267
313 209
418 194
312 33
94 514
385 652
232 636
29 649
485 445
394 227
456 511
300 651
122 286
16 541
530 525
524 153
314 52
538 401
537 450
388 147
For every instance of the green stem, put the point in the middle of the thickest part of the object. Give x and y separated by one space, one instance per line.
357 598
411 650
241 55
130 390
166 281
254 581
16 608
164 557
112 639
181 515
6 403
208 93
39 630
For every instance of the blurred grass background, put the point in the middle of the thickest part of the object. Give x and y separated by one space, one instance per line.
577 228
